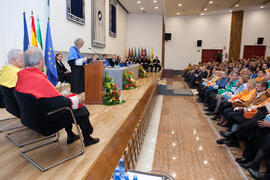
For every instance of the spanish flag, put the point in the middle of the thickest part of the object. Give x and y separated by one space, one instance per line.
33 33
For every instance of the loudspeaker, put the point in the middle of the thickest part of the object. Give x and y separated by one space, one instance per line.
168 36
199 43
260 40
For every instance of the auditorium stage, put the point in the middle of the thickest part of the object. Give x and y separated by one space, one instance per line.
114 125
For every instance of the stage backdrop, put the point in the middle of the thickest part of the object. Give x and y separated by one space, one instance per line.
98 26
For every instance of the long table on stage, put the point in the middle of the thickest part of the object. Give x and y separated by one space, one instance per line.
117 73
114 125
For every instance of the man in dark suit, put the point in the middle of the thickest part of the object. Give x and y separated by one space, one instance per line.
156 64
114 61
62 72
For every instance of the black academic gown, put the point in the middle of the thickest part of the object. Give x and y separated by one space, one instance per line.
77 77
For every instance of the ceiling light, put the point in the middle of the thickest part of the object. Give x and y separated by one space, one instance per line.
174 175
178 13
236 5
156 7
202 14
262 7
230 10
173 144
211 2
174 158
139 2
205 9
179 5
172 132
205 162
154 1
142 8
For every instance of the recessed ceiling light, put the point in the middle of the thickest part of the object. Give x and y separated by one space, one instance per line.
142 8
205 9
236 5
154 1
202 14
139 2
262 7
178 13
156 7
211 2
230 10
179 5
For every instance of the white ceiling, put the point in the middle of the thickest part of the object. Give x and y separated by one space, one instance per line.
190 7
148 6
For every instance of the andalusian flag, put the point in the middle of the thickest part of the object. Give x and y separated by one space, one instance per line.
39 38
33 33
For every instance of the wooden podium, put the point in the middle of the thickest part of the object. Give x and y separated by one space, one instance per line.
94 83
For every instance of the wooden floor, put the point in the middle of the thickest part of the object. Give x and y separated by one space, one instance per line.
106 121
186 145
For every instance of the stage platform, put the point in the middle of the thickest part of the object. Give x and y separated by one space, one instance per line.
114 125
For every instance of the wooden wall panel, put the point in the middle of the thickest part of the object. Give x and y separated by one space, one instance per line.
163 43
236 34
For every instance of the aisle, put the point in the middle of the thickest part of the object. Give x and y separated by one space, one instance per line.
186 147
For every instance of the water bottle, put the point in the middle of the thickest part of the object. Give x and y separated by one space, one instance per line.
117 176
135 177
122 167
116 171
125 177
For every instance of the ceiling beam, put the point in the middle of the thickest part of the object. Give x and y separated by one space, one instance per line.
234 4
122 6
205 5
265 2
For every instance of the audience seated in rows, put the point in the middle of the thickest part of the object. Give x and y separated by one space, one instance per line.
237 93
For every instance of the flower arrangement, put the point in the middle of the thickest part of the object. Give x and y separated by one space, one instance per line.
142 73
111 95
129 81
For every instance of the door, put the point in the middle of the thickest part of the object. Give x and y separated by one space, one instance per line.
254 51
210 54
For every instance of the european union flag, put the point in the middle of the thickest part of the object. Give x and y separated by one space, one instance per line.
25 34
49 58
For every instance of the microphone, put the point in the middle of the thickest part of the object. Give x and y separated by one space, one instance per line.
93 50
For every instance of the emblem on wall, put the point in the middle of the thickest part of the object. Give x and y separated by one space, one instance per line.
98 23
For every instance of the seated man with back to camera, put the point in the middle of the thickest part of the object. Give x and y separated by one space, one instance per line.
32 80
8 73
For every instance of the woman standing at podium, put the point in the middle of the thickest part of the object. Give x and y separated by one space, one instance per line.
76 62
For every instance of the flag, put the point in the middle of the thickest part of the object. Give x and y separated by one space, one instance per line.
39 38
135 52
125 52
132 52
129 53
139 54
25 34
152 55
49 57
33 33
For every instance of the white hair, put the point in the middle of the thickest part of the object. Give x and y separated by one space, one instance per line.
13 54
32 57
78 42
